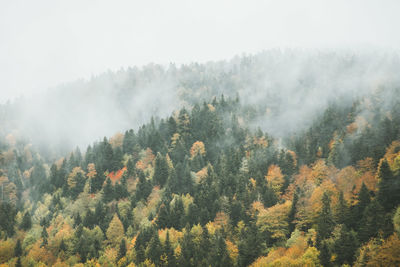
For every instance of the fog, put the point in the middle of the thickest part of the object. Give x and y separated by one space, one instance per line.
73 72
288 89
45 43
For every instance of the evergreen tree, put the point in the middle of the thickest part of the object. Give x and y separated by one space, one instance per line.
325 220
173 184
169 252
143 187
26 223
219 254
18 249
363 201
204 249
154 249
89 220
120 190
372 221
163 216
160 170
99 215
187 248
345 247
386 187
177 212
250 245
130 167
292 213
117 159
193 214
325 255
18 263
108 191
341 211
122 249
7 218
44 236
63 247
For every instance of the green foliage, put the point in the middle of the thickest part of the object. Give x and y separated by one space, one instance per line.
204 199
325 220
7 218
160 170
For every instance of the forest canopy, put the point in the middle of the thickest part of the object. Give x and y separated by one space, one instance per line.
232 173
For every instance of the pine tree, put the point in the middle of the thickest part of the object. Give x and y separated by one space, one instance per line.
77 220
187 248
130 167
122 249
169 252
325 255
160 170
386 186
89 220
18 263
99 215
192 214
177 214
18 249
143 187
173 184
345 247
363 200
44 236
341 211
26 223
292 213
63 247
108 191
163 216
219 254
251 244
325 221
372 221
154 249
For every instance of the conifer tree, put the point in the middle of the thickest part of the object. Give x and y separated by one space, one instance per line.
325 220
386 186
169 252
292 213
108 191
341 210
345 247
154 249
160 170
18 249
122 249
44 236
163 216
325 255
187 248
26 223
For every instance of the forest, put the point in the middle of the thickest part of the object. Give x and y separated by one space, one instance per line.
215 179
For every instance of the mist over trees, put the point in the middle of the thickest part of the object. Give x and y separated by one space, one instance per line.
284 158
285 89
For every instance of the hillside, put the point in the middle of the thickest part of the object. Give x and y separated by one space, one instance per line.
286 89
236 164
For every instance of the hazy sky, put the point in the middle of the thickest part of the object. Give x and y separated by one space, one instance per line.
46 42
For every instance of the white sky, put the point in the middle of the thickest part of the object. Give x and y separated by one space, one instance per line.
47 42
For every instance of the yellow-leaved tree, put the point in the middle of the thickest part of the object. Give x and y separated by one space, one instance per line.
115 231
197 148
275 178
